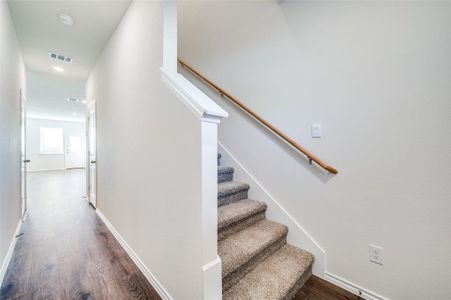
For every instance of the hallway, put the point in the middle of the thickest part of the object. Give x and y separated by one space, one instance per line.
65 251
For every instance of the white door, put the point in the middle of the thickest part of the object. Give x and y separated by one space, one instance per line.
75 151
92 154
23 152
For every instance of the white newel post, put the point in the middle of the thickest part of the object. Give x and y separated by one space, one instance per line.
211 268
210 115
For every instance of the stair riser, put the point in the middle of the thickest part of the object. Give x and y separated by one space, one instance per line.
236 275
299 284
224 177
231 198
239 225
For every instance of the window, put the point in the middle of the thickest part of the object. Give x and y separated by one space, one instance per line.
51 141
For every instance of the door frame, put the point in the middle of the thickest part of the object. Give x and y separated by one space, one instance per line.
90 107
23 153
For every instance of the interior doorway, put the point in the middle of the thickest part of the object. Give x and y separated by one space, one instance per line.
92 155
75 151
23 152
53 135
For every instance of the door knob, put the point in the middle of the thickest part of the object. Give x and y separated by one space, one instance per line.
93 161
26 160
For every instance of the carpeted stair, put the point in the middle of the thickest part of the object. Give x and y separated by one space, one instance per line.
257 262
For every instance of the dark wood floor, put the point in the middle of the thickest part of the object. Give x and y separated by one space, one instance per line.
66 252
318 289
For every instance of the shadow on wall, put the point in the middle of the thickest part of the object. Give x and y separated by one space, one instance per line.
313 169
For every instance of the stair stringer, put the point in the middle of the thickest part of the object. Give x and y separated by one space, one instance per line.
297 235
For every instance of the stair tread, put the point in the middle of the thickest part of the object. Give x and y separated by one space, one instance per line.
223 169
234 212
230 187
241 247
275 277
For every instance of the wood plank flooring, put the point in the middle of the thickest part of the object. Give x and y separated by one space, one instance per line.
318 289
66 252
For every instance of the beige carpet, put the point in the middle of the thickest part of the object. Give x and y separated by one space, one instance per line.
257 262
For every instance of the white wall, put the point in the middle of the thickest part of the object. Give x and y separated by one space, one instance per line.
38 161
148 154
377 76
12 79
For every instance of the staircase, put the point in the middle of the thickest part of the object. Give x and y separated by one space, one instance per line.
257 262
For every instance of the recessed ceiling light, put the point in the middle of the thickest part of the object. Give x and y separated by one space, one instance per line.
74 114
66 19
58 69
83 101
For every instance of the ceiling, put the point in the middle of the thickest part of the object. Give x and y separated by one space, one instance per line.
40 31
47 97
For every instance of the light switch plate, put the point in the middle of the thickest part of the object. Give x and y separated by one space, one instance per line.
316 130
375 253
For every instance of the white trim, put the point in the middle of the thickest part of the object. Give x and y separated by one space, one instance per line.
46 170
55 119
210 114
170 36
353 288
199 103
23 154
211 263
297 235
9 254
51 153
139 263
212 279
91 108
24 217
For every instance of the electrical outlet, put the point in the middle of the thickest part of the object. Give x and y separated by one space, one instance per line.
376 254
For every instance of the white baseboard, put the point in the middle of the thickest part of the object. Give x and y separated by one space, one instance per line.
142 267
57 169
353 288
45 170
297 235
9 254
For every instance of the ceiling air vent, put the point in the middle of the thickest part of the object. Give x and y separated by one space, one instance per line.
60 57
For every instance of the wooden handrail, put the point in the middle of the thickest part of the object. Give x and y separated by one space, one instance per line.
235 101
